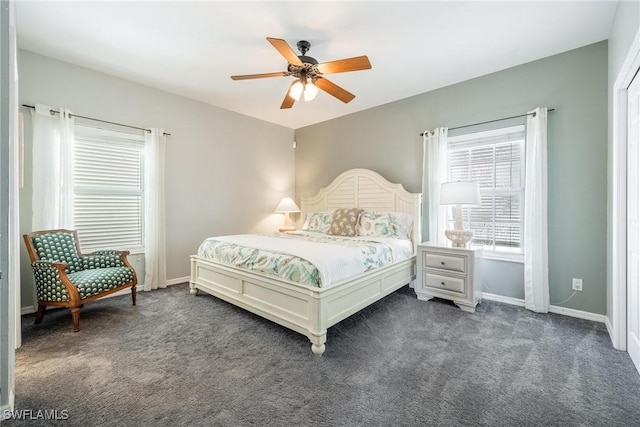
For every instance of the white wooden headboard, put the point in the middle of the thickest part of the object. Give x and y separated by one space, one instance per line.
366 189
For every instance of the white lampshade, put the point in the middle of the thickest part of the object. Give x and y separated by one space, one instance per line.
460 193
310 91
287 205
296 90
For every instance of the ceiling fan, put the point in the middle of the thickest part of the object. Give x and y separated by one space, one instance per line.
309 73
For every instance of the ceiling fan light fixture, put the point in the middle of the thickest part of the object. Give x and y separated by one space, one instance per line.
296 90
310 91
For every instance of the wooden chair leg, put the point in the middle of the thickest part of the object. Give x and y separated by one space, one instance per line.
133 295
40 313
75 316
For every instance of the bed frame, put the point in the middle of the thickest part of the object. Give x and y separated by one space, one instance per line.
311 310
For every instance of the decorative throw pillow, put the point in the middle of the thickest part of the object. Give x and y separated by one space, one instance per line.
318 222
375 224
345 222
385 224
402 223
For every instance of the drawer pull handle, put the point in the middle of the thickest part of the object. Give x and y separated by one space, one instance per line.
442 262
442 283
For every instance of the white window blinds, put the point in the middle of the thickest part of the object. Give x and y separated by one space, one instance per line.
495 159
108 195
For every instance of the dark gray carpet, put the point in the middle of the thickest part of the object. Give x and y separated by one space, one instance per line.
176 359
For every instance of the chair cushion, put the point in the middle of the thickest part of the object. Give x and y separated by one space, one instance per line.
98 280
58 247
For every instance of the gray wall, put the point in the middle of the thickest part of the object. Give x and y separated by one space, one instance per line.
225 172
626 25
385 139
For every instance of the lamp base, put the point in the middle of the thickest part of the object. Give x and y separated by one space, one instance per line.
282 229
459 238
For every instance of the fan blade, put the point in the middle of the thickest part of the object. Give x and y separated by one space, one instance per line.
285 50
334 90
344 65
259 76
288 101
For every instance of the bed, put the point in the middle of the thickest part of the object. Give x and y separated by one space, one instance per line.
306 308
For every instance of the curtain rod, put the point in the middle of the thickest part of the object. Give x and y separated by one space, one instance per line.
98 120
496 120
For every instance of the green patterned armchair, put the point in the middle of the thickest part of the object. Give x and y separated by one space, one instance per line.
66 278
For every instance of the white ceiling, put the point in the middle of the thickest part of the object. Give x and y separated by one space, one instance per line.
192 48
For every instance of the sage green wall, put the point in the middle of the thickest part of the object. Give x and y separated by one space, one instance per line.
225 172
385 139
625 26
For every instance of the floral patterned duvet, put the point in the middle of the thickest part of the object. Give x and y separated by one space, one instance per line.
370 254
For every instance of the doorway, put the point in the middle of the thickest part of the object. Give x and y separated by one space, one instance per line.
621 313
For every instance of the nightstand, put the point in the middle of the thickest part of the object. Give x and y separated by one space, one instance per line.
449 273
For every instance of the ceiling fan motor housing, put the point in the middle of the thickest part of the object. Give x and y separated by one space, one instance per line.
308 60
308 70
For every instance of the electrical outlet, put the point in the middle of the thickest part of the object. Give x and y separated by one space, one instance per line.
576 284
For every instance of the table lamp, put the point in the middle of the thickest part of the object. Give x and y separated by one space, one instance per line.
286 206
459 193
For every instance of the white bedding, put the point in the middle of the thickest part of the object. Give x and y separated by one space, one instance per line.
400 248
334 262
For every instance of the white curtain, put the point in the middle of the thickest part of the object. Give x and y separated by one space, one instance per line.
536 259
434 173
52 199
154 213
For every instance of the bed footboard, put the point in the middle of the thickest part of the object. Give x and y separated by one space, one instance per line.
307 310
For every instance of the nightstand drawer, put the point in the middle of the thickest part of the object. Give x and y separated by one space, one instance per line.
445 262
453 284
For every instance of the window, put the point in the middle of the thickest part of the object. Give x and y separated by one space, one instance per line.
496 160
108 193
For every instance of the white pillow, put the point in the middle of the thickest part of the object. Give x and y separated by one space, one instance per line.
386 224
318 222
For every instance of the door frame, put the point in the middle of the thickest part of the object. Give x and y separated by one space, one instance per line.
618 327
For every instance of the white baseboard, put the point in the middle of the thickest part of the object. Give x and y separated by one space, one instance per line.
609 326
178 280
30 309
501 298
577 313
601 318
